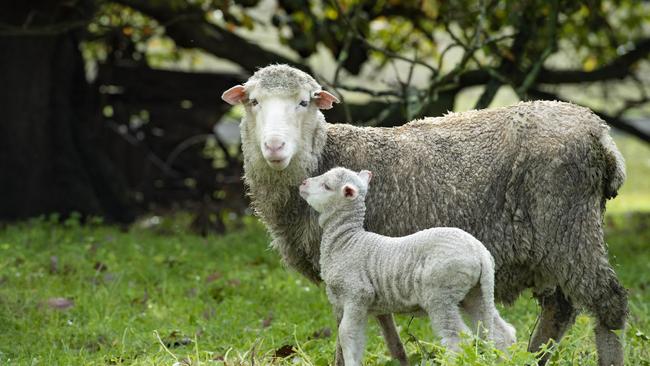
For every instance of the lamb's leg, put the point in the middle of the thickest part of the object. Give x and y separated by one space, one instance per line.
393 342
352 333
447 323
338 356
480 313
558 314
504 334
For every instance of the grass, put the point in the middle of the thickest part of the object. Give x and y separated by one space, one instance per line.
97 295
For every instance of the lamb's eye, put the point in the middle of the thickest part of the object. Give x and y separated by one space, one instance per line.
327 188
304 103
253 102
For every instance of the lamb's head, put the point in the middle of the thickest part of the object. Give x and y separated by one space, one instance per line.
336 189
282 110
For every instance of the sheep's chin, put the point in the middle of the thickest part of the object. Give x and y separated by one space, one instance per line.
278 164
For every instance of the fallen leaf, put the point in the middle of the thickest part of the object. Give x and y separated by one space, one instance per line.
60 303
284 351
213 277
176 339
321 333
100 267
268 320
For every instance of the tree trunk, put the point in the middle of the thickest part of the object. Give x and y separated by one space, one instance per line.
47 123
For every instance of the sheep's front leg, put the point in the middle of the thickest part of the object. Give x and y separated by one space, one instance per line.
393 342
352 333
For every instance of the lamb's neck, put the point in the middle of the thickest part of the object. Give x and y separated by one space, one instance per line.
340 226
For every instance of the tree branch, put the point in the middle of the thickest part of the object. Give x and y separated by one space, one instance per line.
618 68
189 29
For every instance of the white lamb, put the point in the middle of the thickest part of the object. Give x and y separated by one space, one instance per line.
434 270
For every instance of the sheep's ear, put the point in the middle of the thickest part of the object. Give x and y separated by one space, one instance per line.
324 100
349 191
366 175
234 95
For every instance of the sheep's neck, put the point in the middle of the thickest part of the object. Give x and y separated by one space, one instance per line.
341 225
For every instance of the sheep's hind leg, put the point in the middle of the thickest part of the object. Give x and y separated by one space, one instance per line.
596 287
609 305
610 349
393 342
557 316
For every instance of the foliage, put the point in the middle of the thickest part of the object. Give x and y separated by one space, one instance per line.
431 48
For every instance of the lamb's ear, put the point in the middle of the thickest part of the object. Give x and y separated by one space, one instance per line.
366 175
324 99
234 95
349 191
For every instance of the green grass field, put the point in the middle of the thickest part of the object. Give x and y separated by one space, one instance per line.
96 295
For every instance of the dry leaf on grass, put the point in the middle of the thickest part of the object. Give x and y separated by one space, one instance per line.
284 351
60 303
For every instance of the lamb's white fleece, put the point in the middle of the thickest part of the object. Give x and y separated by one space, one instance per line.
433 270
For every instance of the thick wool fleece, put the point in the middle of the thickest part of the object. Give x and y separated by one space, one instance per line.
529 181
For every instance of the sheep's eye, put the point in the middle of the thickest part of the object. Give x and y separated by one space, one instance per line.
327 188
253 102
304 103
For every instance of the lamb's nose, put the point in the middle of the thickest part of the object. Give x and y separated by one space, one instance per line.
304 182
274 145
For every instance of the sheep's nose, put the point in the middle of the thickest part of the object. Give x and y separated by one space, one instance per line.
274 145
304 182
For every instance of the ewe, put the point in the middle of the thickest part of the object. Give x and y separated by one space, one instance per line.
433 270
529 181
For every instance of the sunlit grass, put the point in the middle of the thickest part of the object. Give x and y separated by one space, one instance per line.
157 297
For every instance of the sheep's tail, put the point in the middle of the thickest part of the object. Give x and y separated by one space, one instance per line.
486 283
614 166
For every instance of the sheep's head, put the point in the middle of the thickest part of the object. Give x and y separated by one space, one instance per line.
282 104
336 188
